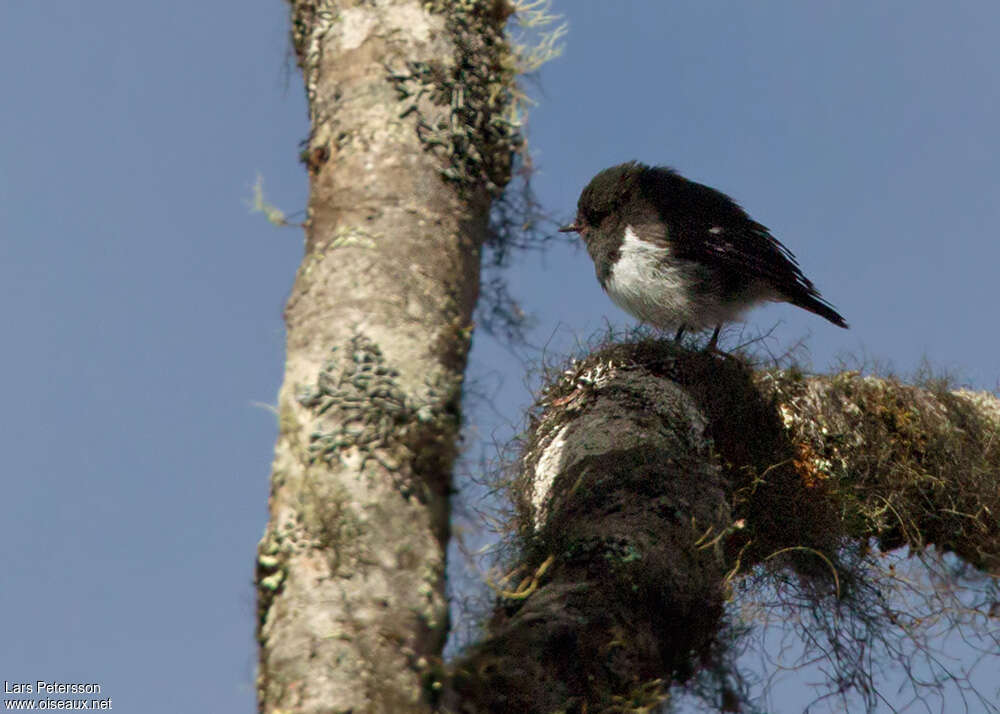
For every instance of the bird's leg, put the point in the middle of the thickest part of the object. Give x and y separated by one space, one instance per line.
680 333
715 338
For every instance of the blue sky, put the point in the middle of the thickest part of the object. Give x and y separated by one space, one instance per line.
142 301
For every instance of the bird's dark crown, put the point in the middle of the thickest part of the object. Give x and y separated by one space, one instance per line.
607 192
613 190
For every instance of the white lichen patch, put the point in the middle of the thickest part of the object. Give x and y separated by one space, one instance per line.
787 415
593 376
354 27
413 20
356 24
549 466
988 405
598 375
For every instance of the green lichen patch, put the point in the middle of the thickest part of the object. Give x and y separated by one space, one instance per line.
281 540
358 393
361 408
269 576
476 121
466 118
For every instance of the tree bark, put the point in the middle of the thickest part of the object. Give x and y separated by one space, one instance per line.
408 145
654 477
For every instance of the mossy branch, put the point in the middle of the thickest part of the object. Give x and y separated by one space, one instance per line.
659 484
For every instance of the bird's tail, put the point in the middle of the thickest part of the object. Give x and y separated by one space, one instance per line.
819 306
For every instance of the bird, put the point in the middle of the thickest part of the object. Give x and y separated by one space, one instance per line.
677 254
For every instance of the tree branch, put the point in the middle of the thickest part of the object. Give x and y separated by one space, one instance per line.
654 477
410 139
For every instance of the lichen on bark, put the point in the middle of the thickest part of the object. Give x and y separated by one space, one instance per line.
351 567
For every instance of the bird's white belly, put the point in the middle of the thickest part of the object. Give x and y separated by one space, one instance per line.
665 292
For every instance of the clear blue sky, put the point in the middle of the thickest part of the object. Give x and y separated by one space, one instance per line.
141 301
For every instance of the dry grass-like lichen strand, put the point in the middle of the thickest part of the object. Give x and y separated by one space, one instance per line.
475 129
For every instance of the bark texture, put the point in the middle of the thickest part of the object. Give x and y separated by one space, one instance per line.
655 476
408 144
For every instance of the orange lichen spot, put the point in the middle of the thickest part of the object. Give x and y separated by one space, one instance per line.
805 466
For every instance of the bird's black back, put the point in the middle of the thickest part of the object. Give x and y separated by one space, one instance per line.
707 226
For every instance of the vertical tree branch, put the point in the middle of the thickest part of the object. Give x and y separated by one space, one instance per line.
351 568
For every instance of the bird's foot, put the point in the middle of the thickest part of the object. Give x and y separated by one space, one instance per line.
713 346
713 343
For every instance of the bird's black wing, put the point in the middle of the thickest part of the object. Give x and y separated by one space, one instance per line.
709 227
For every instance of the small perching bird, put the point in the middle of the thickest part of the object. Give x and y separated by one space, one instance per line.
678 254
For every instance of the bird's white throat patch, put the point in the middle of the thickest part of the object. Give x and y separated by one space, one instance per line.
652 285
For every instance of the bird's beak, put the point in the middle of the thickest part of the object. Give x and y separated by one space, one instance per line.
571 228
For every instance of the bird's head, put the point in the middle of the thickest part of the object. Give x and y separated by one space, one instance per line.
603 198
